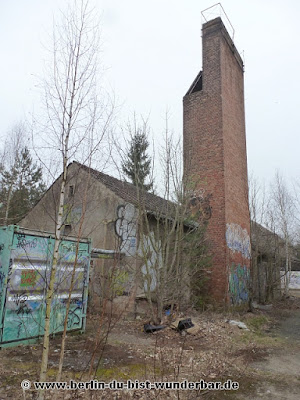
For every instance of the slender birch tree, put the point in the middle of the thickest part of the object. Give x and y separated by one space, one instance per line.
77 117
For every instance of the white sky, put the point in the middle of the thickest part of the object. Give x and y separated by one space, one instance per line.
152 50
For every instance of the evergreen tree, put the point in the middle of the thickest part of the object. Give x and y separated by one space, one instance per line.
21 186
137 164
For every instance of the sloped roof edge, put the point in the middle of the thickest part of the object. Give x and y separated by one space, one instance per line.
128 192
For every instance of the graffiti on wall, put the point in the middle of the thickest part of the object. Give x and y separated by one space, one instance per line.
75 315
238 284
125 227
238 240
26 243
294 280
27 276
152 260
20 301
126 230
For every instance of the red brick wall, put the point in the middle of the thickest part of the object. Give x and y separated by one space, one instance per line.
215 159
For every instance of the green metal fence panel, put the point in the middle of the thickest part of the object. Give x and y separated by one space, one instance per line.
25 266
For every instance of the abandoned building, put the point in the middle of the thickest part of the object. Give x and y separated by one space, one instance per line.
268 265
108 209
215 164
268 258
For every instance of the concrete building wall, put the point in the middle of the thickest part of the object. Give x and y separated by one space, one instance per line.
84 194
215 160
111 223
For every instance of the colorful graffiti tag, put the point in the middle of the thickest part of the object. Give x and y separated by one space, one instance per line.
25 275
125 227
238 240
152 260
293 278
238 284
28 277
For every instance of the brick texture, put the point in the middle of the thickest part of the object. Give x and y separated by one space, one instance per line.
215 159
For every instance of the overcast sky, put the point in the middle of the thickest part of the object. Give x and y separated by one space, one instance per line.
152 51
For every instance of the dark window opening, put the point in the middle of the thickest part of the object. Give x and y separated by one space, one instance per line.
67 229
71 190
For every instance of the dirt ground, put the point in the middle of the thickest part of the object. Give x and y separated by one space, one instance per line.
281 369
265 359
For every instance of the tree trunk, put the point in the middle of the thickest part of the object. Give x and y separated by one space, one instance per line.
8 204
63 341
287 272
50 291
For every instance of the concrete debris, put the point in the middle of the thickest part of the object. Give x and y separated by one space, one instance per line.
174 324
240 324
194 330
264 307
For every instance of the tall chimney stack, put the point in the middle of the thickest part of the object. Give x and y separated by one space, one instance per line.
215 160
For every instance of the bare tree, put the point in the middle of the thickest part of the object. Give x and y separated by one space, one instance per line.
283 213
165 232
257 211
77 118
265 244
296 197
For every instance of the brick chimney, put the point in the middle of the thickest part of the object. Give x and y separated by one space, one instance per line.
215 160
